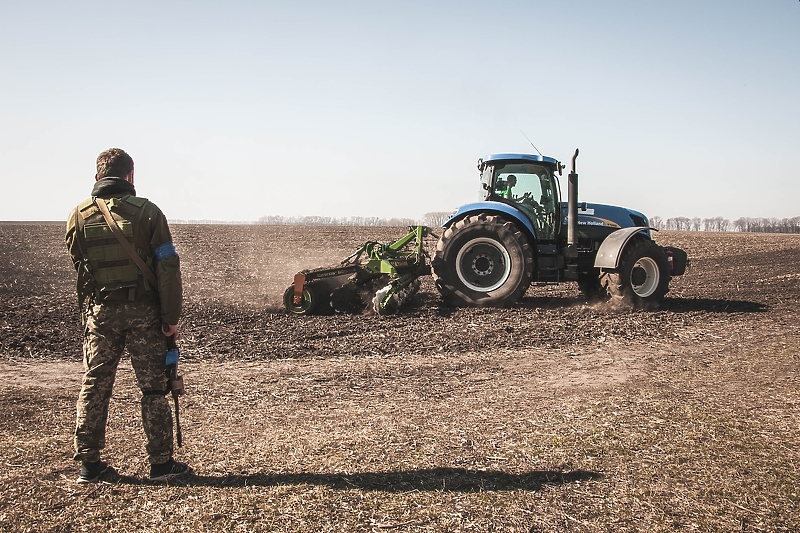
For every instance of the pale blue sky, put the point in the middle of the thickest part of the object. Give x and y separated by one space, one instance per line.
235 110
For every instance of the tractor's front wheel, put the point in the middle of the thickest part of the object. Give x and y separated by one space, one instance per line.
482 260
642 278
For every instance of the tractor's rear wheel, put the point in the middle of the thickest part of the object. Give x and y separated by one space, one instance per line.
482 260
642 278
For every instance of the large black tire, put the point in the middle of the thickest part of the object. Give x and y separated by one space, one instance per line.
642 278
482 260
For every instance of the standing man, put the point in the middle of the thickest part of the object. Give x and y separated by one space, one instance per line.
121 308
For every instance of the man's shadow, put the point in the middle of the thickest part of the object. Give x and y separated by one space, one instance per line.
434 479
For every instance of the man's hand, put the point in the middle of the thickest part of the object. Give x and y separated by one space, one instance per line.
169 330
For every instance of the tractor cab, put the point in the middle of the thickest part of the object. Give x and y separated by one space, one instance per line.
527 183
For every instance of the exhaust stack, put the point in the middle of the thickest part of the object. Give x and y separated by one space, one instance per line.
572 204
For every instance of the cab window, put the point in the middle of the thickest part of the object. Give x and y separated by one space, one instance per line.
531 188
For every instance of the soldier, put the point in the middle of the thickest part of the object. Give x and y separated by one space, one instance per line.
121 309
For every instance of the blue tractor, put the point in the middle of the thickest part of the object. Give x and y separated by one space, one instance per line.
521 232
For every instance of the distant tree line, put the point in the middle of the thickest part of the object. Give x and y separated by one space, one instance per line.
743 224
436 219
207 221
278 220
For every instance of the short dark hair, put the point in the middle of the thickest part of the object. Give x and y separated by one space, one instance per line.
114 162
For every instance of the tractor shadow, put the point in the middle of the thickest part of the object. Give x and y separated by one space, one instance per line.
428 480
674 305
687 305
424 302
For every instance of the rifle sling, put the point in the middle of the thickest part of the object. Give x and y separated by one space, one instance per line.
112 224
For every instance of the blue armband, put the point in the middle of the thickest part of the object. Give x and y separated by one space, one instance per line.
165 250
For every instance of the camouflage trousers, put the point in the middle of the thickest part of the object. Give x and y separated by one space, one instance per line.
110 329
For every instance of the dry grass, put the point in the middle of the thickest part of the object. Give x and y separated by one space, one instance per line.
704 442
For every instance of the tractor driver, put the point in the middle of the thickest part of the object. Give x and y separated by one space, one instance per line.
511 182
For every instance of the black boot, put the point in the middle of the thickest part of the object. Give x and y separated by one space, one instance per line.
97 471
169 470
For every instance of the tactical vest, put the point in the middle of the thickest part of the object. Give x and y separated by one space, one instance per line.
112 272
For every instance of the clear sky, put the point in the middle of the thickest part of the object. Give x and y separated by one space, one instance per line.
235 110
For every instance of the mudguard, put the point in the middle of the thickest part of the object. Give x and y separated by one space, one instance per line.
611 248
497 207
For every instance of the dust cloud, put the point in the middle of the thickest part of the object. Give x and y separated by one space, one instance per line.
253 270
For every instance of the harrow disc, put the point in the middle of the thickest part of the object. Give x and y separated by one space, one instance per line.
346 299
396 301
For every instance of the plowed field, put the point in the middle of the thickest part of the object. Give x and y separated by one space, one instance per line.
553 415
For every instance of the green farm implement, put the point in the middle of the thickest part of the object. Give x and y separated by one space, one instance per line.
380 276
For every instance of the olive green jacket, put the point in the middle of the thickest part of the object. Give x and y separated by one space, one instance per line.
150 233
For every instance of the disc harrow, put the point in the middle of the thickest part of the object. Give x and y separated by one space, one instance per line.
378 277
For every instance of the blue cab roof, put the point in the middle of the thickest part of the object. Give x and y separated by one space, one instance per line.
520 157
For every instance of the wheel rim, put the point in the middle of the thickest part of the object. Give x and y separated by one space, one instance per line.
483 265
305 305
645 277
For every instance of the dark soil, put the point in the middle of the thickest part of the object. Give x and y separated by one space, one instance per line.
553 415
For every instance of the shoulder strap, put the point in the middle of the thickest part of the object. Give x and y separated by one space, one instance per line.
112 224
138 201
84 300
80 238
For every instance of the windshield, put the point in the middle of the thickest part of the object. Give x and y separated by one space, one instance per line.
515 181
532 188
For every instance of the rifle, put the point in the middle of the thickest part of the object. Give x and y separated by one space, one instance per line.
175 383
